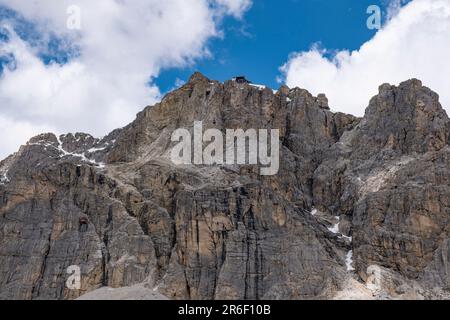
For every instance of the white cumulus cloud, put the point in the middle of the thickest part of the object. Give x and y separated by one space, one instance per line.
414 43
122 45
235 7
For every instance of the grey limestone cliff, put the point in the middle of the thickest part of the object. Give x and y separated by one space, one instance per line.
351 194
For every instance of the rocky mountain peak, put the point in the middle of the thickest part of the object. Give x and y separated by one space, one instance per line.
403 119
352 195
322 101
197 77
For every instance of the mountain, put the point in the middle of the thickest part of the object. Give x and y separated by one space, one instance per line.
360 207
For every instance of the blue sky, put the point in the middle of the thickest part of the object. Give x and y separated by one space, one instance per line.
261 42
256 44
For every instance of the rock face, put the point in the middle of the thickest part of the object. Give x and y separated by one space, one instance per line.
351 195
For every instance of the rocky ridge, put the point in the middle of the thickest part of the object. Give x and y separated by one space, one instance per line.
360 207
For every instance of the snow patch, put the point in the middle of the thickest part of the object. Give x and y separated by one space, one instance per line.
105 146
314 211
93 150
101 165
350 239
259 86
4 178
349 257
65 153
335 228
349 261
